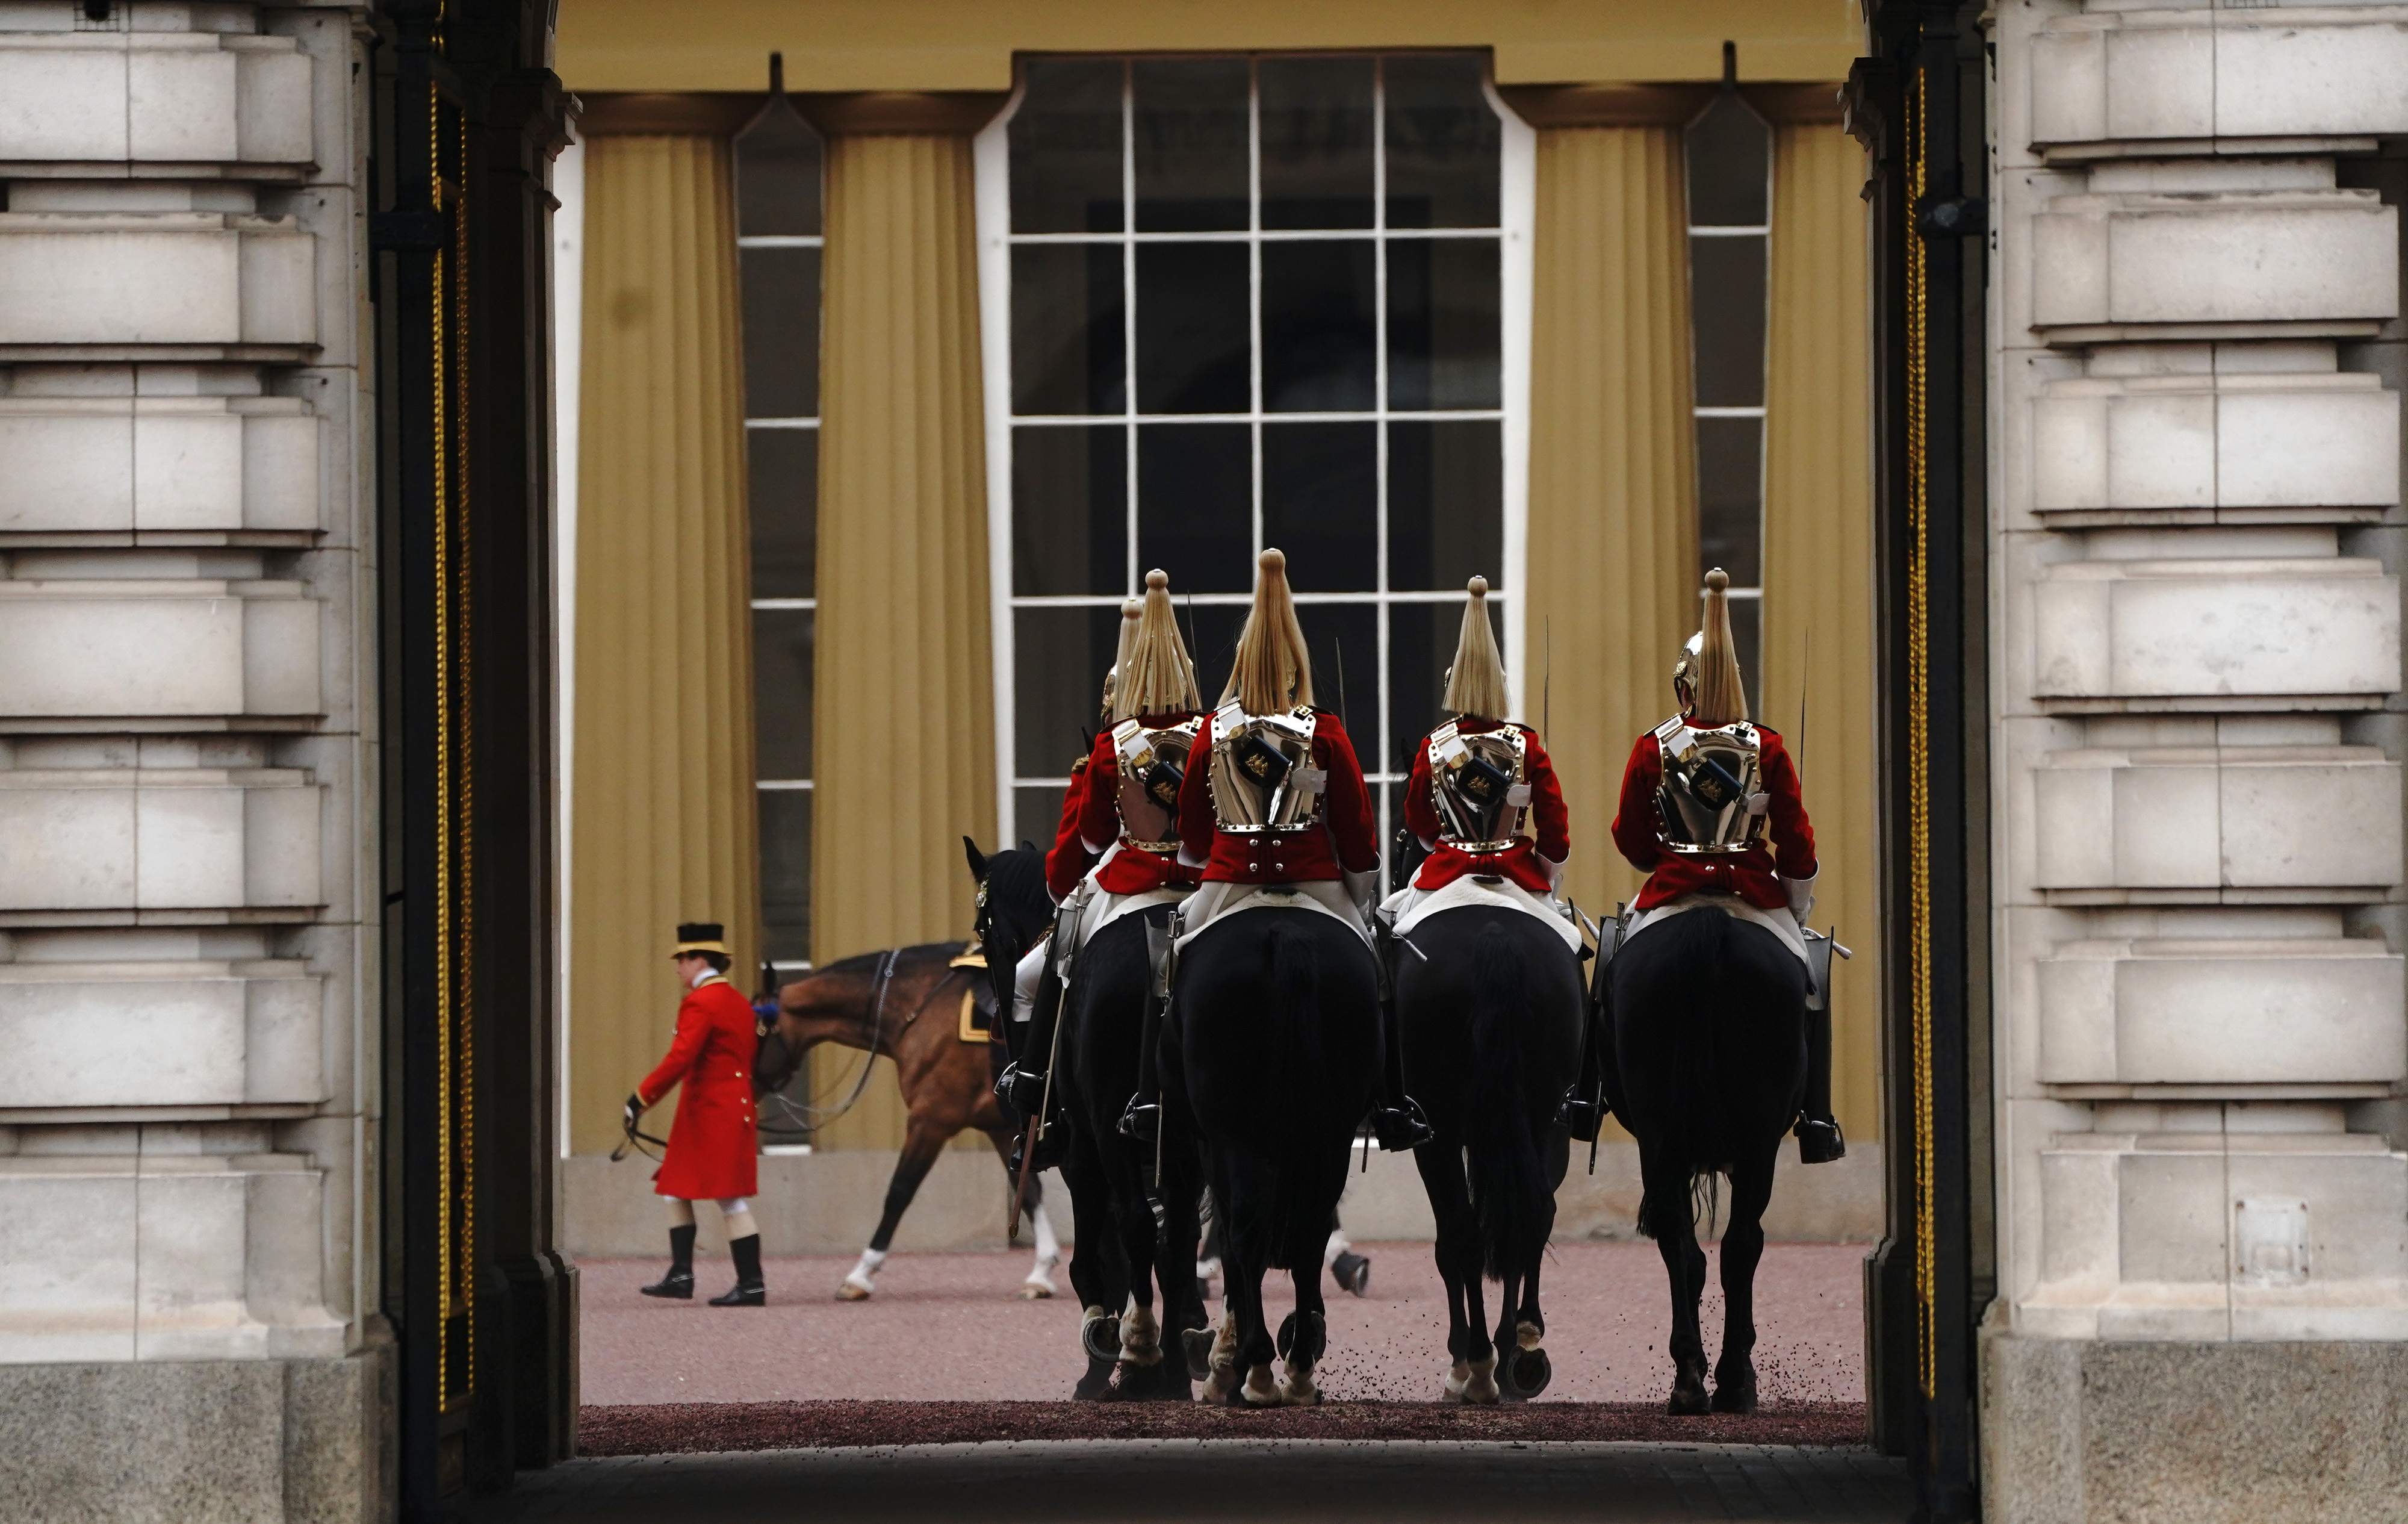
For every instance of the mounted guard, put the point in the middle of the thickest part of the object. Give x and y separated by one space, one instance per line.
1271 1053
1711 809
1487 1015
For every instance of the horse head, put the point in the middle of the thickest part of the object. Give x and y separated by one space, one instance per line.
1013 909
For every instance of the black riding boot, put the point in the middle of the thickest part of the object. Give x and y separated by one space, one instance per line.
1397 1122
679 1282
1819 1138
1583 1107
1142 1118
1022 1086
747 1291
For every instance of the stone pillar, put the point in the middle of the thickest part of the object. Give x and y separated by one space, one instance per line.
1820 615
662 822
189 902
905 761
2203 1266
1613 493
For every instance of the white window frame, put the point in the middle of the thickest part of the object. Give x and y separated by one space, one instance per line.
1517 198
1763 232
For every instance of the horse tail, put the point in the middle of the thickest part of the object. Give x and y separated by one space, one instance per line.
1685 1000
1275 1225
1509 1182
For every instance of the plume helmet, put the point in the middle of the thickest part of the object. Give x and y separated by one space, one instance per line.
1156 674
1271 672
1475 679
1130 613
1706 677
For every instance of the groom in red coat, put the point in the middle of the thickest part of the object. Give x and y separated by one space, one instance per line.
713 1145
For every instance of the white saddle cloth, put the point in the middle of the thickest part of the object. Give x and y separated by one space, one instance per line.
1411 907
1779 921
1101 909
1218 900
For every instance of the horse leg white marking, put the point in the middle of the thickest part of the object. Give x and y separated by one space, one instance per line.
1526 1335
860 1280
1296 1390
1141 1336
1458 1376
1224 1379
1481 1386
1039 1284
1261 1391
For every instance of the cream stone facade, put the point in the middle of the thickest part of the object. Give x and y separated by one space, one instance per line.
2197 804
188 894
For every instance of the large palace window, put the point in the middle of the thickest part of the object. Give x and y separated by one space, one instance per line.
778 248
1729 150
1245 301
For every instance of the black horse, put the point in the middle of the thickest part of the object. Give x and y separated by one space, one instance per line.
1709 1040
1013 911
1271 1057
1490 1013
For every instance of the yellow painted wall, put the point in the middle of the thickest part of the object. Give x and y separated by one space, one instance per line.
847 45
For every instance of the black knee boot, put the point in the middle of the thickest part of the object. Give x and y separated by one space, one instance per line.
1819 1138
679 1282
748 1291
1399 1123
1583 1112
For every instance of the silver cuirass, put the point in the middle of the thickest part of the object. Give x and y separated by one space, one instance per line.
1262 776
1153 764
1480 782
1711 799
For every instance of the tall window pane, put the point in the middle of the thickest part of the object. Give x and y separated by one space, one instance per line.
1729 153
779 250
1284 356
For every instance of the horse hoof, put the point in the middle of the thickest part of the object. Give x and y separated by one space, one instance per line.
853 1290
1688 1395
1734 1396
1352 1273
1198 1346
1033 1289
1260 1390
1101 1338
1298 1391
1523 1374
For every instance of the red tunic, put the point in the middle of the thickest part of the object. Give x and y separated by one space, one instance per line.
1448 862
713 1145
1133 868
1638 830
1067 864
1348 841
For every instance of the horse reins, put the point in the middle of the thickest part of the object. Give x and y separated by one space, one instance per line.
810 1118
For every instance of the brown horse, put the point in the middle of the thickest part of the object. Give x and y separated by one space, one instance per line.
905 1004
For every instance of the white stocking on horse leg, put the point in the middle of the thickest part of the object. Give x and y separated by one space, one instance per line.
1261 1391
1296 1390
1140 1337
1039 1284
860 1282
1224 1379
1473 1381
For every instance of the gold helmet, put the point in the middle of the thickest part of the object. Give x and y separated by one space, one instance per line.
1130 610
1706 676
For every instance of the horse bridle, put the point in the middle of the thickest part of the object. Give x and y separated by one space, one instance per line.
808 1117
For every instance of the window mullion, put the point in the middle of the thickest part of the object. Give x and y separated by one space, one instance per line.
1379 410
1128 312
1254 293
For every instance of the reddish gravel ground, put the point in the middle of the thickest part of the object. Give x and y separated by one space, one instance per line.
947 1338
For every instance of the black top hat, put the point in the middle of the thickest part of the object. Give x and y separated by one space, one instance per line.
700 936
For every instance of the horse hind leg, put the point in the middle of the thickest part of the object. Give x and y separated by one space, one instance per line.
1039 1285
921 1143
1667 1214
1742 1250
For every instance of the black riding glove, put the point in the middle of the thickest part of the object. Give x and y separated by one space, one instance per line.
1022 1090
634 1111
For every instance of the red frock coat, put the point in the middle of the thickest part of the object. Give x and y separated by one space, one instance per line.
1448 862
1639 831
714 1143
1133 868
1067 863
1348 841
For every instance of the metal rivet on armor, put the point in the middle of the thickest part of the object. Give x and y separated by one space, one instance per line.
1253 868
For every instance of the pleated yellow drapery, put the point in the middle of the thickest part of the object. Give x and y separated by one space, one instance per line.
905 757
1613 517
663 812
1819 624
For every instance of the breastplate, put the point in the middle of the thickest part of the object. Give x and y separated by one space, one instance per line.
1262 777
1712 801
1479 783
1153 765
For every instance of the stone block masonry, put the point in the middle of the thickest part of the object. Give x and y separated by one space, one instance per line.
188 921
2203 1248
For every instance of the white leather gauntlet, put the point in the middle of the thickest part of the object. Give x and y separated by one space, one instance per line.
1802 895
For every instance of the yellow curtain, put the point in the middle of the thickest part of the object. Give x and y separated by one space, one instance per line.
905 763
1819 624
661 806
1613 502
